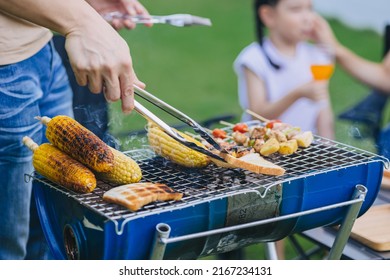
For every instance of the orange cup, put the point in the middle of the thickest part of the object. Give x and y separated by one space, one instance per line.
322 72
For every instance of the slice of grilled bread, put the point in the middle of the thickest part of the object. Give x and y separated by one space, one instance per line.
255 163
136 195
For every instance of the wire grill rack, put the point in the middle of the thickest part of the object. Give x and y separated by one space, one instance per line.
210 183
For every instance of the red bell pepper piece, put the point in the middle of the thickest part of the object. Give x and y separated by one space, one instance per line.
219 133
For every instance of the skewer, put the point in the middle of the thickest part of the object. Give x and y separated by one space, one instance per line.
226 123
253 114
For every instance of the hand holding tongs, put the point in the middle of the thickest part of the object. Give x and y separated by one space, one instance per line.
180 116
179 20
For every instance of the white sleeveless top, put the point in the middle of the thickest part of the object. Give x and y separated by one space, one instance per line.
294 72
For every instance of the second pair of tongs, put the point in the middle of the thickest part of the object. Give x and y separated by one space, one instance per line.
179 20
139 108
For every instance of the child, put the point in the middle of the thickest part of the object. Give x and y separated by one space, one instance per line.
274 75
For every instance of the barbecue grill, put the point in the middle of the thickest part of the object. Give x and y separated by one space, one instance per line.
221 210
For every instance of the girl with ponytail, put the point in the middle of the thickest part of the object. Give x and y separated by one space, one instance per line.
274 75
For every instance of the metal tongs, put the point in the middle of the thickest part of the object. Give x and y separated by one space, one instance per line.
179 20
139 108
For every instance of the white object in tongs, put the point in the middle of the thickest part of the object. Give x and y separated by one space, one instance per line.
180 116
179 20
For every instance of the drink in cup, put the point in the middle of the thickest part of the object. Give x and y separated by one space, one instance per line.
323 64
322 71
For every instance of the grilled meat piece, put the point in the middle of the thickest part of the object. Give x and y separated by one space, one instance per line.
240 151
279 135
258 145
240 138
257 132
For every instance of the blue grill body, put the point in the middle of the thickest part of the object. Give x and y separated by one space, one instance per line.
83 226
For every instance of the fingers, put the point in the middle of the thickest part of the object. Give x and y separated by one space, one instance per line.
141 10
127 100
90 78
95 82
127 91
131 11
114 87
81 77
133 8
138 82
123 89
111 89
129 24
117 23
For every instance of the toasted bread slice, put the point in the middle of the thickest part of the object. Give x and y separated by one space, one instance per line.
136 195
255 163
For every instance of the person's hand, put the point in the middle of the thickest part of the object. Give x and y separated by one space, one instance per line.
127 7
100 58
314 90
322 33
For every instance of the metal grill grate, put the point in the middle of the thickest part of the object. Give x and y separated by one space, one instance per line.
206 184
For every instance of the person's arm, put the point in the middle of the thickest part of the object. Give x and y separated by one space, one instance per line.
325 122
98 55
376 75
257 96
373 74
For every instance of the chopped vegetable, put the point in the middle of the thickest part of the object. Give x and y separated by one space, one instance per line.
241 127
219 133
270 124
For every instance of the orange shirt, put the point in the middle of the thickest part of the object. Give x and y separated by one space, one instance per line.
20 39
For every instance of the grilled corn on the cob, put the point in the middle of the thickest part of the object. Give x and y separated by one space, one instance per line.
78 142
61 168
169 148
125 170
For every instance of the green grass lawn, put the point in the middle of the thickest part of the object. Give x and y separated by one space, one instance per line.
191 68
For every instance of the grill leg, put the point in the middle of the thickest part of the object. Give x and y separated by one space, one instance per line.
347 224
158 249
270 251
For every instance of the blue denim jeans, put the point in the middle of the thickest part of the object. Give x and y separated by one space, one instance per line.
37 86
